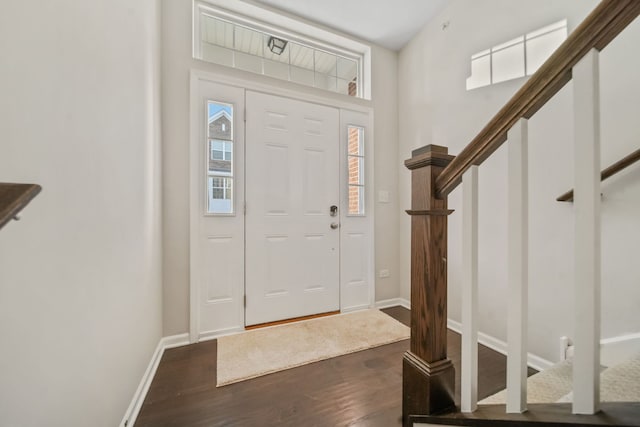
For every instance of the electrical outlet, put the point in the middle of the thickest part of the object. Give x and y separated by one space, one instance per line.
384 273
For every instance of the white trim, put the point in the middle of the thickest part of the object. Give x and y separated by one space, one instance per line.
469 341
364 224
617 349
212 335
344 310
393 302
588 231
538 363
613 350
518 266
201 225
301 93
194 306
370 179
534 361
165 343
339 102
174 341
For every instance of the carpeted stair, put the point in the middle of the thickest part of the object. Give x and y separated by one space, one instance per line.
618 383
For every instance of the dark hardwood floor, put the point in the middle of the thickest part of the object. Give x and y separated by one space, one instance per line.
359 389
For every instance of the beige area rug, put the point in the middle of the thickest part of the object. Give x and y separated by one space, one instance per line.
259 352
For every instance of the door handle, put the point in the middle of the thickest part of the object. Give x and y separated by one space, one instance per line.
334 225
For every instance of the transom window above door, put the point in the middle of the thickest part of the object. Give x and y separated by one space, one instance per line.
235 41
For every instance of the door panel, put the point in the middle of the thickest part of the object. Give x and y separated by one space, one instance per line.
292 253
219 271
216 211
356 223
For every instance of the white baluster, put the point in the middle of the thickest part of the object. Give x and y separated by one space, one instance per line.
586 107
518 270
469 367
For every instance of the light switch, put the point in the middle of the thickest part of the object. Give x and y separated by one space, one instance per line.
383 196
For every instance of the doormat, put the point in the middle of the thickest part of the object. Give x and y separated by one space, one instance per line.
263 351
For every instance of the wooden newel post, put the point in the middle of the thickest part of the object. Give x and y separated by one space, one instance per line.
428 375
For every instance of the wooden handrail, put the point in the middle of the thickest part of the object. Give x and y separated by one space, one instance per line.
608 172
13 198
606 21
428 377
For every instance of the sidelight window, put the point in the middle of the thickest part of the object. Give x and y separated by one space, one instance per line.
220 159
355 163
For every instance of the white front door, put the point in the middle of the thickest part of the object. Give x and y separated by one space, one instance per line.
292 181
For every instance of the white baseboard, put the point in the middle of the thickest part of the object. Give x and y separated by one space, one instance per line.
618 349
354 308
174 341
612 350
143 388
534 361
393 302
538 363
212 335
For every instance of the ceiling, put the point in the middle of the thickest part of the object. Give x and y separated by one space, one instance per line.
388 23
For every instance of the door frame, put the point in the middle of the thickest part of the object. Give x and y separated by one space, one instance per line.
305 95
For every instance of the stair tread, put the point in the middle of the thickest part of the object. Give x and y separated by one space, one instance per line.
618 383
544 414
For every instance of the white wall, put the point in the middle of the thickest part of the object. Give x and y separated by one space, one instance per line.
176 63
80 286
387 164
435 108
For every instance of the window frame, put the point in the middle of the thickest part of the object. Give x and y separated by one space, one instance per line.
208 157
224 188
522 40
362 184
259 19
223 151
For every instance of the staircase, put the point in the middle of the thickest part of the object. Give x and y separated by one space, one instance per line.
618 383
428 375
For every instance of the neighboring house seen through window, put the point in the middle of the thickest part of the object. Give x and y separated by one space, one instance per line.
220 160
